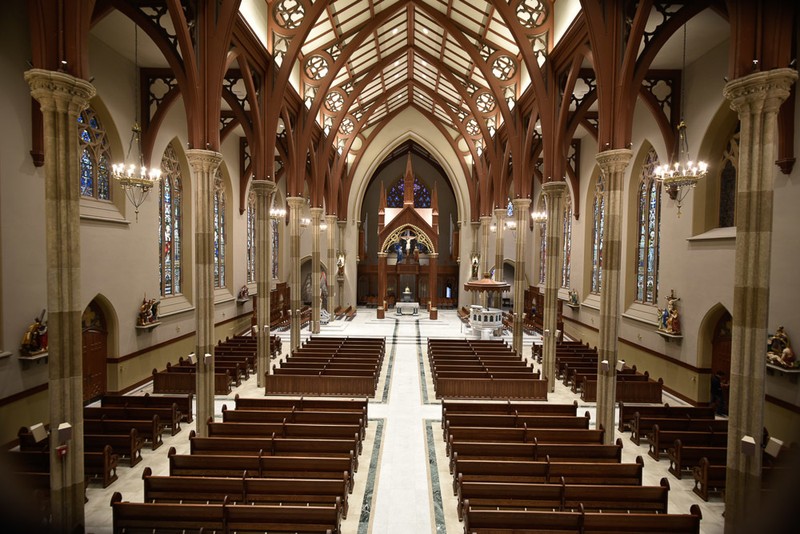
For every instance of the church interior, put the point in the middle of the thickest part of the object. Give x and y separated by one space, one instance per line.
217 199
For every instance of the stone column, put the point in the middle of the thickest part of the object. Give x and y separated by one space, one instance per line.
612 165
486 221
340 279
381 284
316 270
62 98
521 207
500 215
476 251
204 164
265 191
756 98
433 273
554 194
331 222
295 205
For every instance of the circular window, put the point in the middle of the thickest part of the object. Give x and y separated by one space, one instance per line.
504 68
316 67
334 102
485 103
288 14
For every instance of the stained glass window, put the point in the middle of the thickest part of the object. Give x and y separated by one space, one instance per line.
510 209
251 236
95 157
396 195
565 266
542 246
727 183
649 206
219 231
275 238
597 235
169 224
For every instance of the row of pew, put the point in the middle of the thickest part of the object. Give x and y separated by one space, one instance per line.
464 368
538 467
271 465
345 366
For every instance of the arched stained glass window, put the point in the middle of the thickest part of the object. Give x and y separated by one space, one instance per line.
95 157
219 231
396 195
275 241
727 182
597 235
565 267
647 248
170 223
510 209
251 236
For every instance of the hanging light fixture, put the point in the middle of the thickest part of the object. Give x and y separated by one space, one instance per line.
539 216
680 176
136 179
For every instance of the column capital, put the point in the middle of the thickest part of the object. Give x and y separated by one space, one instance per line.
613 161
295 202
203 160
59 91
556 187
433 255
760 91
316 213
500 213
521 203
263 187
342 224
330 219
486 218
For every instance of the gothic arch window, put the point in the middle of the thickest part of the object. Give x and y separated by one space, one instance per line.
727 182
170 221
565 265
95 156
251 236
597 235
396 194
219 231
510 209
649 231
275 243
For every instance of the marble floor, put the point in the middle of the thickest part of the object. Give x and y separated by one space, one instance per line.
403 485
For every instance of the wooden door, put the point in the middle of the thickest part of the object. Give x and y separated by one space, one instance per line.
721 350
95 352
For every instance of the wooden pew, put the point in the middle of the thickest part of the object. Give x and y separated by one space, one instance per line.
663 439
627 412
102 465
522 435
285 429
498 521
246 490
169 416
186 382
563 497
222 518
149 430
683 457
547 472
129 445
262 466
514 421
506 407
642 426
302 404
294 416
183 402
708 477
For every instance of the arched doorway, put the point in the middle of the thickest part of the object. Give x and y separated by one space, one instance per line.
95 351
721 348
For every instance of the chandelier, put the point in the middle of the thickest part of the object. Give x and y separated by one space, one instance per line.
539 216
135 179
680 176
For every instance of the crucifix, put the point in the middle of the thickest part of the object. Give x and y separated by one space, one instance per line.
408 237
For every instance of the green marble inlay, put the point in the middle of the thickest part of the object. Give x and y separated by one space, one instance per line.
433 470
369 491
388 382
423 383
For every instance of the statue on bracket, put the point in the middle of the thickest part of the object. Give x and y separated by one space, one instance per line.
148 312
574 300
475 265
34 341
244 293
669 320
779 350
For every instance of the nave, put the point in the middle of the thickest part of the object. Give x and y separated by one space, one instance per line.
403 484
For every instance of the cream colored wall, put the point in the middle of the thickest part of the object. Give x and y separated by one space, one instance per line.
25 412
781 423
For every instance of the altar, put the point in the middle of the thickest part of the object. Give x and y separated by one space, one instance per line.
407 308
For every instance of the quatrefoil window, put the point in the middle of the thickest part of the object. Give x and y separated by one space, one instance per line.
485 103
316 67
504 68
289 14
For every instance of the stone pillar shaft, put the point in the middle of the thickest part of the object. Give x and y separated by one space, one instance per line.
62 98
433 273
612 165
265 191
486 221
756 98
500 215
521 207
331 222
554 193
381 284
342 248
476 251
295 205
316 270
204 164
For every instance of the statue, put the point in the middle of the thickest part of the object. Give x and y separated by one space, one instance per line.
668 317
148 312
779 350
244 293
475 262
340 264
573 298
34 341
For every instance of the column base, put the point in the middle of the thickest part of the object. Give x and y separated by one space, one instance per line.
381 313
434 314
